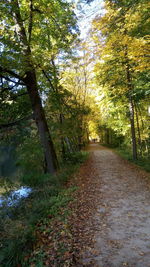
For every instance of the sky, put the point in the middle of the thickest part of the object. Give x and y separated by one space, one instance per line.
86 13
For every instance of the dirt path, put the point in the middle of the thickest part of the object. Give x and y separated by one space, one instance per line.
121 221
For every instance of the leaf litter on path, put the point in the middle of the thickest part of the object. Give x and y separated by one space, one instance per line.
109 220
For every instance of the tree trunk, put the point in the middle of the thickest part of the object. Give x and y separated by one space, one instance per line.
68 143
50 155
80 135
87 135
134 144
63 151
131 109
31 83
107 136
138 129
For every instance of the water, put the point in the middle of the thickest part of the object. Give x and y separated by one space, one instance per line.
7 160
15 196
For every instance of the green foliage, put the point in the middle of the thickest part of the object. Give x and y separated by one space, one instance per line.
121 45
76 157
30 155
18 224
35 34
53 28
142 162
19 238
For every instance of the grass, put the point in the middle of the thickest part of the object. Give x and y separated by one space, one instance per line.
144 163
19 224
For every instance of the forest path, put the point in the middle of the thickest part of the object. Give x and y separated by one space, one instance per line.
121 220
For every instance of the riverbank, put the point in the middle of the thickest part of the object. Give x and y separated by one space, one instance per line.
20 224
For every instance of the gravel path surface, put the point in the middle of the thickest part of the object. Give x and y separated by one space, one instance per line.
121 221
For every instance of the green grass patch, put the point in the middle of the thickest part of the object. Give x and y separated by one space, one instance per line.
19 223
144 163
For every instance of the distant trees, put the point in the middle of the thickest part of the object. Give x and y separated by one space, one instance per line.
77 79
121 38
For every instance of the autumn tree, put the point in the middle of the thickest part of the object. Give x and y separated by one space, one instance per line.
122 56
76 78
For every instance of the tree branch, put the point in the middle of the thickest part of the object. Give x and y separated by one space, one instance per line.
20 23
3 89
30 21
14 123
12 73
17 95
48 79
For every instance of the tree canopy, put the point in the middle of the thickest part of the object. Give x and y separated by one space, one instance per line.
49 78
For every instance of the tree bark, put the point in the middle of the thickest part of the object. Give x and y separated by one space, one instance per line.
133 135
63 151
32 88
46 141
107 136
131 111
138 129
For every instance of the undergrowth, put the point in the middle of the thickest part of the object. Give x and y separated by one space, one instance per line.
144 163
19 223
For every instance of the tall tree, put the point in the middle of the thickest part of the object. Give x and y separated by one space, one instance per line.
28 27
